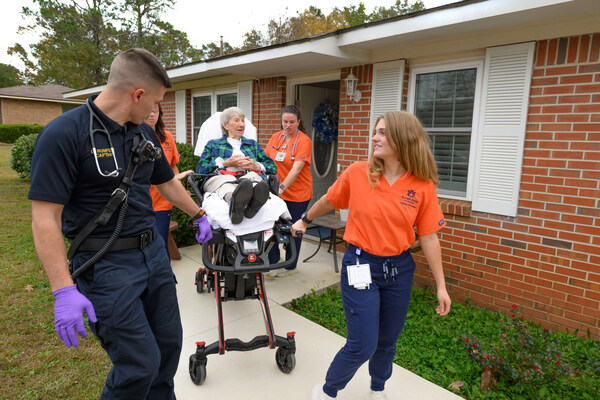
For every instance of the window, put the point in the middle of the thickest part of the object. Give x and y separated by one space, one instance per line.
68 107
445 100
202 111
225 101
206 104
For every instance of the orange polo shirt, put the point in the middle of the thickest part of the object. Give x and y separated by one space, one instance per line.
302 188
171 154
381 219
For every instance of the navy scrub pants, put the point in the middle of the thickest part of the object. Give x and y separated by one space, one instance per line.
374 318
133 293
296 210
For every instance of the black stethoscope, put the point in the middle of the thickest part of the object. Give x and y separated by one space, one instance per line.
279 143
104 131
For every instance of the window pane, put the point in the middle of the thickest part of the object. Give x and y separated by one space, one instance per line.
451 154
201 111
444 104
226 100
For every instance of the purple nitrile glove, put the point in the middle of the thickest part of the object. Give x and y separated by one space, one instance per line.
68 314
204 232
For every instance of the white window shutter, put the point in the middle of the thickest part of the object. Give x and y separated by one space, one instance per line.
505 100
388 78
180 117
245 98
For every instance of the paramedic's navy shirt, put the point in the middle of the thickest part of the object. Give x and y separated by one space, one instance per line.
63 171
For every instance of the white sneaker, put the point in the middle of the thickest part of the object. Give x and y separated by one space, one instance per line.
319 394
373 395
273 273
282 273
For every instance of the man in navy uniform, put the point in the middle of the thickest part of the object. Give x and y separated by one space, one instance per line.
80 160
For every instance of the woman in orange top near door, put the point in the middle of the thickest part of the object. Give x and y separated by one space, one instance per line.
387 198
291 149
161 206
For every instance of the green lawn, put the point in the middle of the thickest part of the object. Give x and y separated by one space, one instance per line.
435 348
34 363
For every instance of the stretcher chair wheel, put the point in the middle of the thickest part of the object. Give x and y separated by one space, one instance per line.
200 280
197 371
285 359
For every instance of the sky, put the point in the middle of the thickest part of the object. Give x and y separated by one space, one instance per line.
203 21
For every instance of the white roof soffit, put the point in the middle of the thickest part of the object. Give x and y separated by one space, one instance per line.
317 53
459 20
360 44
357 45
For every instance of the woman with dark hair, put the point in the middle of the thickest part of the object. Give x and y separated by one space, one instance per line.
291 149
387 198
162 207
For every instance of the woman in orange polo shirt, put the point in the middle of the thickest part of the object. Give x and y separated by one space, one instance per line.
291 149
387 197
162 207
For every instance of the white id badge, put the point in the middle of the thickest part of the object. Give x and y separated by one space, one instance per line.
359 275
280 156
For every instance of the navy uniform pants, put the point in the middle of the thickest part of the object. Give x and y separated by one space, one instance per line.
296 210
133 293
374 319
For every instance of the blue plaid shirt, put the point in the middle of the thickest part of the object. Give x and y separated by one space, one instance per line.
221 148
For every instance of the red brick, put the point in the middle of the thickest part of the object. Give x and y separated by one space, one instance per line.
559 89
574 99
587 68
573 49
557 109
586 127
544 100
571 79
574 118
567 70
586 88
551 58
541 52
595 50
584 48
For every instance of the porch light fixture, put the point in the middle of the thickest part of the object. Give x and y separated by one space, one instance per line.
351 84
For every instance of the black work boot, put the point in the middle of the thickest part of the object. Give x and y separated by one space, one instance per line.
259 198
239 200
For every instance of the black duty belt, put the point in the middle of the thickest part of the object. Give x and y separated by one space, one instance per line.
125 243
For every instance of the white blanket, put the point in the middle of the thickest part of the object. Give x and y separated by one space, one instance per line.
217 211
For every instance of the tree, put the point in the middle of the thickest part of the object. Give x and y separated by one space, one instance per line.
400 8
141 18
312 21
253 40
77 42
80 38
213 50
9 76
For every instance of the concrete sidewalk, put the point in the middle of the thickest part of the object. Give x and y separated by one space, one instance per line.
254 374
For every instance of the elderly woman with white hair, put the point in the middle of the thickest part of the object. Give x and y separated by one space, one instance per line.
241 166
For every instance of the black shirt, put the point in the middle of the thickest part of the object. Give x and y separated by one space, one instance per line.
64 171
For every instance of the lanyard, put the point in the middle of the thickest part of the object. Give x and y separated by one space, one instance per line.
293 146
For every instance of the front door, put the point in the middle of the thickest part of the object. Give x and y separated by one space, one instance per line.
320 101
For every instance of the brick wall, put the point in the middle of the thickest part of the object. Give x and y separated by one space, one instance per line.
355 117
547 259
168 109
268 100
29 111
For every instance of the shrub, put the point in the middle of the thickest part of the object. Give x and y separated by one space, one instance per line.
187 160
21 153
521 354
9 133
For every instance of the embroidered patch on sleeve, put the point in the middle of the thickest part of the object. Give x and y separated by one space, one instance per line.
441 222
